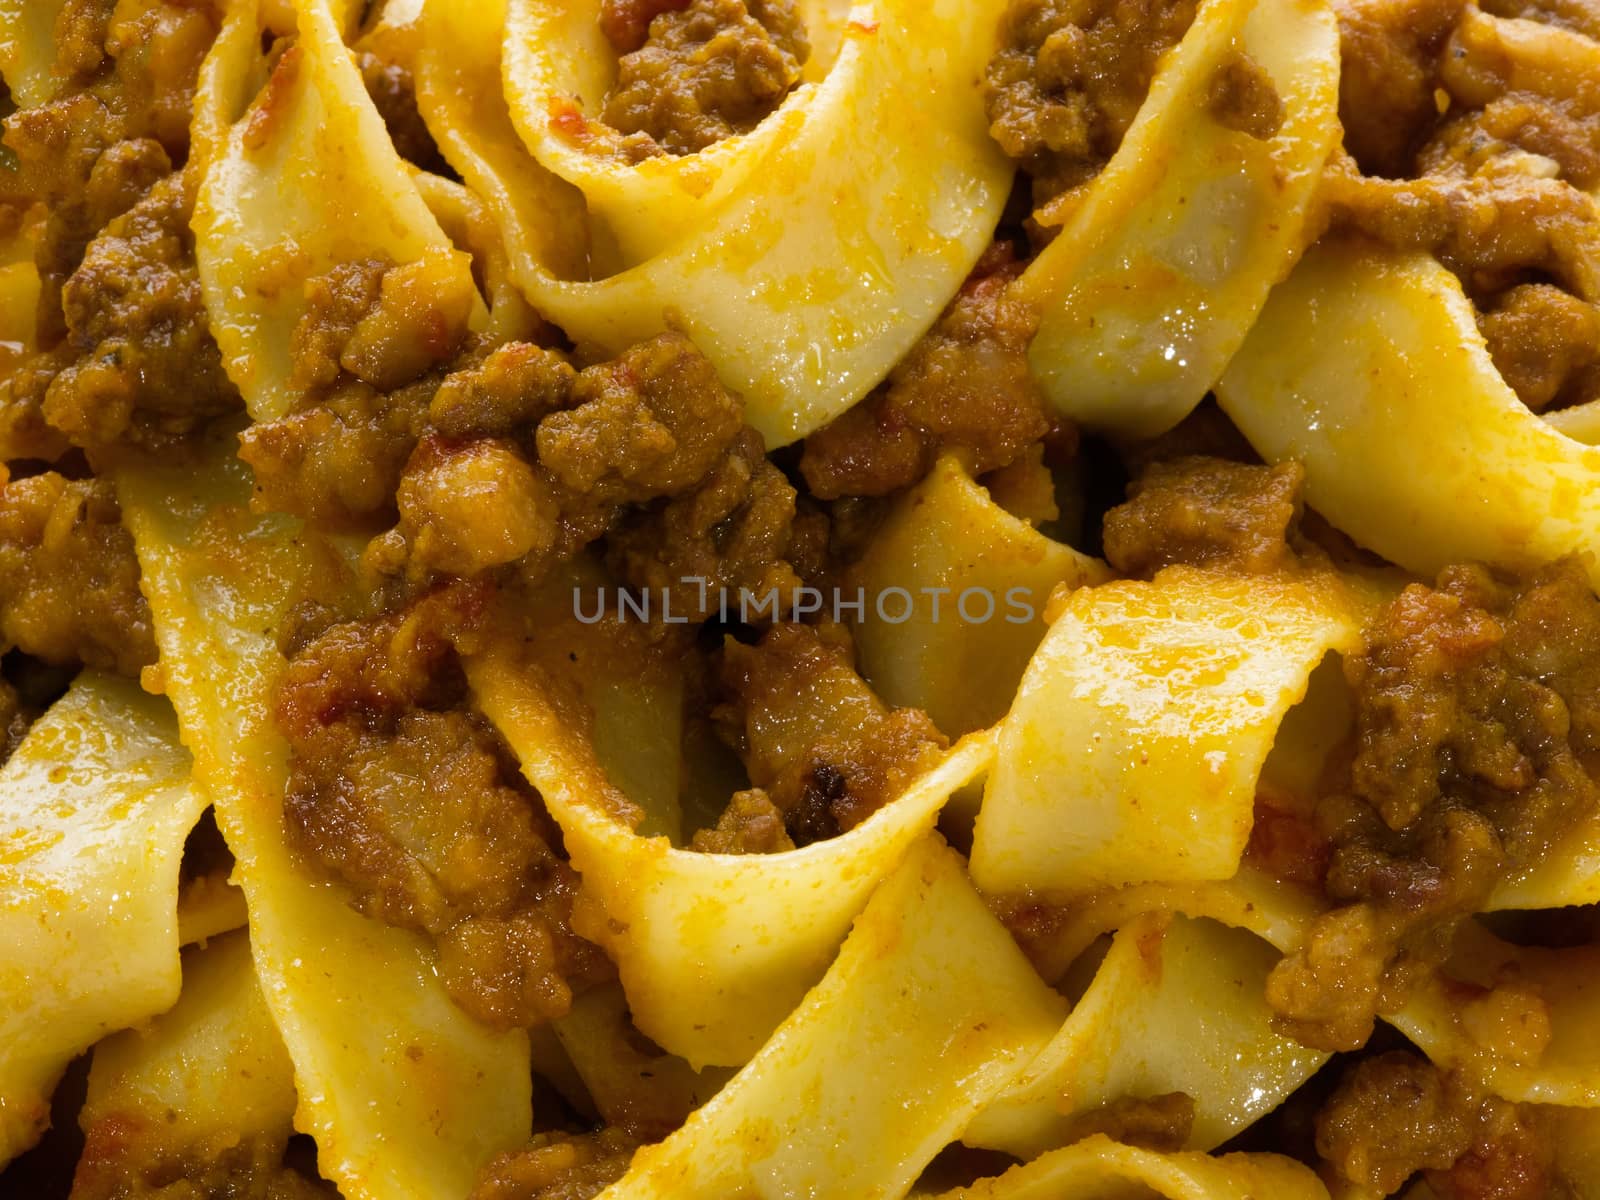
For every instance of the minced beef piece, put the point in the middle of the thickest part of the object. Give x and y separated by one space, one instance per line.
1388 55
558 1166
1580 16
706 70
147 371
1206 512
1244 98
394 94
125 1158
740 531
1162 1123
69 581
1541 339
751 824
1069 79
814 737
1396 1114
412 801
1477 728
965 385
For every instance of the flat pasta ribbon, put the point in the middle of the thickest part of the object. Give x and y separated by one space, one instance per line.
309 180
1132 751
28 49
747 936
1164 263
95 805
404 1093
932 649
1098 1167
868 201
1367 366
928 1011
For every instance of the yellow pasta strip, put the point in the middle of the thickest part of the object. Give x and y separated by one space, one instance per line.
1098 1169
1368 367
932 649
308 180
745 935
826 265
1134 746
1175 1006
405 1094
95 805
28 49
927 1012
1161 268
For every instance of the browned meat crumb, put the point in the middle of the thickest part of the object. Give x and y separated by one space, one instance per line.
1069 79
1389 50
1243 97
1478 727
751 824
412 801
125 1158
146 372
965 385
814 737
705 70
394 93
1541 338
1158 1123
558 1166
1396 1114
1206 512
69 581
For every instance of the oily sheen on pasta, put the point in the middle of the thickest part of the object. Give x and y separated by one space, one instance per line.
979 599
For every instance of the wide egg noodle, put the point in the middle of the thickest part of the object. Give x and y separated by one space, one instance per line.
202 1078
308 180
1098 1168
95 805
28 49
1162 266
928 1011
823 268
945 538
404 1093
1367 366
1176 1005
745 936
1132 751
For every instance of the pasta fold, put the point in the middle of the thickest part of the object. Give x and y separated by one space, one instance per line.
95 805
1367 366
28 49
1163 265
1132 751
745 935
404 1093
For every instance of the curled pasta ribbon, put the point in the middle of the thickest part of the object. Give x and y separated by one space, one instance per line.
947 540
309 180
1097 1167
404 1093
1367 366
1176 1005
804 259
747 936
927 1012
1132 751
28 49
95 805
1521 1017
210 1074
1162 267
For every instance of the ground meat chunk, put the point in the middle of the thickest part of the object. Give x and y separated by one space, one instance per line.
411 800
147 371
394 94
814 737
1396 1114
1069 79
1243 97
740 532
1541 338
1206 512
707 70
124 1159
558 1166
751 824
1388 56
1478 727
965 385
69 581
1162 1123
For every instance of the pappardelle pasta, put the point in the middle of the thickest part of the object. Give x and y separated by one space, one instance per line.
970 599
